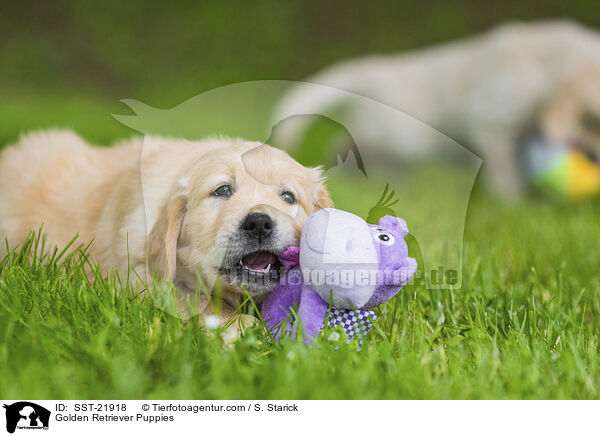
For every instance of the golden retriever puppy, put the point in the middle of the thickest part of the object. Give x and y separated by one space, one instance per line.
218 209
488 92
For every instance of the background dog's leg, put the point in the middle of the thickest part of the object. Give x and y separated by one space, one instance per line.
501 164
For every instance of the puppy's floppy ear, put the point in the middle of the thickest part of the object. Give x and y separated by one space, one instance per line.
162 241
321 197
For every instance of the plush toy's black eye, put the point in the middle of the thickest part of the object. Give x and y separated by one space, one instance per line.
288 197
222 191
385 238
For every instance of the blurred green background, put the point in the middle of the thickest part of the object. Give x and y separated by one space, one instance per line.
68 63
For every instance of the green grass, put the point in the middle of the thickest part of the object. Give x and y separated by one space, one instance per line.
524 325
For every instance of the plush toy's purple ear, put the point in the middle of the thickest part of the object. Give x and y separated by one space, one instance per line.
290 257
394 223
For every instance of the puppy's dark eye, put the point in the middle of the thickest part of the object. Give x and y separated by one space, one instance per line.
222 191
288 197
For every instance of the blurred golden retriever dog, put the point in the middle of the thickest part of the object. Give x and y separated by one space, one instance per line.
487 92
171 209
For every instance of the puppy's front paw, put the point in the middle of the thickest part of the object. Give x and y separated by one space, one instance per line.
235 326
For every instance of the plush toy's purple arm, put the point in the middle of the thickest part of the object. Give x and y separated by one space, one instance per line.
276 308
311 313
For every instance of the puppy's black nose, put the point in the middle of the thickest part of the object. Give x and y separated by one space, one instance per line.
258 225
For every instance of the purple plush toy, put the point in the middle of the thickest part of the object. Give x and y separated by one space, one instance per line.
344 261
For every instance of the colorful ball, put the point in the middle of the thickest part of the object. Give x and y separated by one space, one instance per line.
561 170
574 177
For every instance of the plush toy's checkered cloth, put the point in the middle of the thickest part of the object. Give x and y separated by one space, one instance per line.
352 321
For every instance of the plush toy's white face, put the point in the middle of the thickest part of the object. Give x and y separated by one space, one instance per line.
338 258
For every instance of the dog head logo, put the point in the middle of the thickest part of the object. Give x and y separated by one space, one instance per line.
26 415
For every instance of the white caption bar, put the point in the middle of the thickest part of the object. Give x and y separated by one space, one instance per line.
152 417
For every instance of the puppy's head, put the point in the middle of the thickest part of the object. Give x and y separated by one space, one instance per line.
229 215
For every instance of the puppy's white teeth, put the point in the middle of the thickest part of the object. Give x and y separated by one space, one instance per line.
265 270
